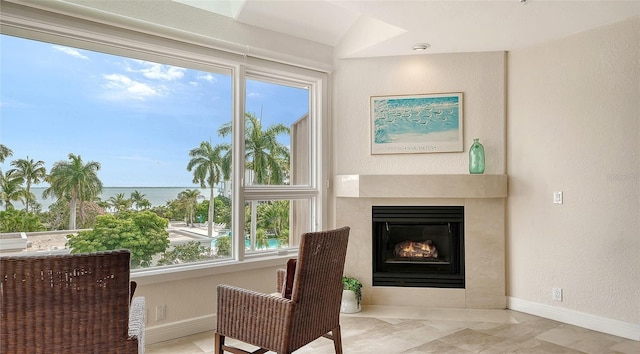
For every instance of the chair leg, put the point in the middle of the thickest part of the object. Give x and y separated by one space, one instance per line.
337 339
218 343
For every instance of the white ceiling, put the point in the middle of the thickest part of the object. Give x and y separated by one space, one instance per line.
369 28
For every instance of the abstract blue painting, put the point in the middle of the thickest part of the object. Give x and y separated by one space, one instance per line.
416 123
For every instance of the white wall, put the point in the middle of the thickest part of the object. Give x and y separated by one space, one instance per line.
481 78
190 298
574 126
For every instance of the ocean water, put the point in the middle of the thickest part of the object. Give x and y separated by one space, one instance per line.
157 196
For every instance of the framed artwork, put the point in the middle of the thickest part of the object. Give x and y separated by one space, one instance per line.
416 123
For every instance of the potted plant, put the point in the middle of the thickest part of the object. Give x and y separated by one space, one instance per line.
351 295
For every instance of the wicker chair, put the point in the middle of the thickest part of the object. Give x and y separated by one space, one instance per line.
284 325
72 303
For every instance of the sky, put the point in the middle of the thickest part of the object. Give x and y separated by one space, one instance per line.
136 118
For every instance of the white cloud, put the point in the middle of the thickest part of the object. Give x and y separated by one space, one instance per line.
207 77
142 80
71 51
157 71
122 86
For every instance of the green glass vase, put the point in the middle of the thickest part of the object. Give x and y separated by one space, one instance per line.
476 157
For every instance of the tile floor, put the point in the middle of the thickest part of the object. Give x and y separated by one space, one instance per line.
378 329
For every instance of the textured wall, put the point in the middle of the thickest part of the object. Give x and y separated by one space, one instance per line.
481 78
574 126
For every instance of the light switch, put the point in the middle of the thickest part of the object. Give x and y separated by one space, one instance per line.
557 197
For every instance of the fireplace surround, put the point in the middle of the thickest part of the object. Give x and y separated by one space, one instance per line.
483 198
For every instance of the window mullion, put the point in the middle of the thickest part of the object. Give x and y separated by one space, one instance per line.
237 143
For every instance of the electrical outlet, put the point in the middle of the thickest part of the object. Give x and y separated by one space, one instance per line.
557 294
161 312
557 197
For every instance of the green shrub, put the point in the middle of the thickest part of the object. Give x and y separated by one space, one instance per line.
223 245
192 251
143 233
13 220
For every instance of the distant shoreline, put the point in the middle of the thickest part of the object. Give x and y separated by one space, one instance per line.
157 196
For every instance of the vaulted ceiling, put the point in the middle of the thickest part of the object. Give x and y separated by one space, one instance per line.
372 28
392 27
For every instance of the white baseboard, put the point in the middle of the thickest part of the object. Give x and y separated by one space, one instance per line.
597 323
179 329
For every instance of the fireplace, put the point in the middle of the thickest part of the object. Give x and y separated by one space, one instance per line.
483 198
418 246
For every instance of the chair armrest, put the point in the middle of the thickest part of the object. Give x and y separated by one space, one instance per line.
253 317
137 315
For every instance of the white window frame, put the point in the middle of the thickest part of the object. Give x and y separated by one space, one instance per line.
149 42
277 73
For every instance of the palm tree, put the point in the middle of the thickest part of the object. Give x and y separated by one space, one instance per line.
275 216
264 155
32 172
76 180
262 240
139 200
4 152
144 204
188 198
208 167
119 202
11 188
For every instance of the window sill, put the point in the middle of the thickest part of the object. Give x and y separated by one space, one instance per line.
181 272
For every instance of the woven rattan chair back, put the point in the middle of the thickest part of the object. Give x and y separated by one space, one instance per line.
317 285
285 325
72 303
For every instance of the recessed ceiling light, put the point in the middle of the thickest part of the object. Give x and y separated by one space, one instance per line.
421 46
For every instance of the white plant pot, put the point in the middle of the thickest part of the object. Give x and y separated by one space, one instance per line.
349 302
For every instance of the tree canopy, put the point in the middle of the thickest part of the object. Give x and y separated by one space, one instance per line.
13 220
143 233
264 155
33 172
4 152
76 180
192 251
11 188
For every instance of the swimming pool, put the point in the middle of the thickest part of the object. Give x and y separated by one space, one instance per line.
272 243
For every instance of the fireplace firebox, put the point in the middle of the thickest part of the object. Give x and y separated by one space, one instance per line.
418 246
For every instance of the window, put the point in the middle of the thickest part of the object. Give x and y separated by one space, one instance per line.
165 125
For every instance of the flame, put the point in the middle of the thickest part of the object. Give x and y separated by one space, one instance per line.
414 249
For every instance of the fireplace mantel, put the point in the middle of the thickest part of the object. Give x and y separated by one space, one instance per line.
421 186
